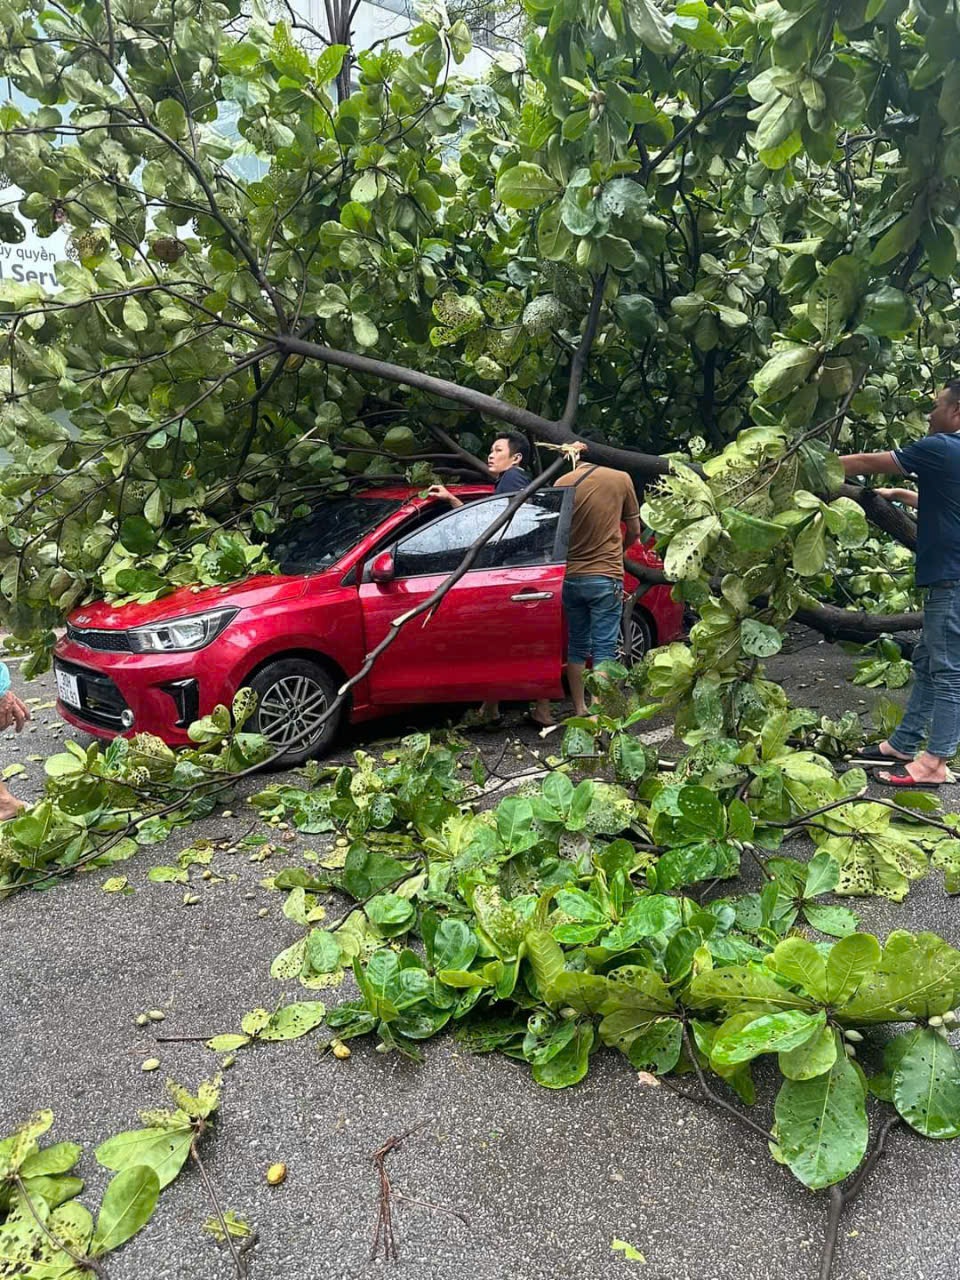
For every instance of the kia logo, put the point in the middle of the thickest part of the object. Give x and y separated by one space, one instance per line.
82 617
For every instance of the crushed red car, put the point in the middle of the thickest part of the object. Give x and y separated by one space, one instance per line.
347 571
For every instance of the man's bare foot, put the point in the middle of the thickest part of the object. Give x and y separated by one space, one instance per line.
10 807
541 713
885 749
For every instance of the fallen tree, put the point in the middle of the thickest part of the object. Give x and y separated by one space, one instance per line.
667 269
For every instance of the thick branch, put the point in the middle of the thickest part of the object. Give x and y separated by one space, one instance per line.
582 353
831 621
645 465
883 514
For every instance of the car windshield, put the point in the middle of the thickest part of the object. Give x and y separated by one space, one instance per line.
320 539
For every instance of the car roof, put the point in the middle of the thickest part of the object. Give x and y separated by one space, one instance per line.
411 493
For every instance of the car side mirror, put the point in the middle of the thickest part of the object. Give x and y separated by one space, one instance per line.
382 569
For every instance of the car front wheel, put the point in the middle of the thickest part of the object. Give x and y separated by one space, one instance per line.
293 695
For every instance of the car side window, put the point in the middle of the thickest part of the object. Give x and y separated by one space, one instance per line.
529 539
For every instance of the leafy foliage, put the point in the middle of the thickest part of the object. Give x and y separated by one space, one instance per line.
764 198
45 1231
102 803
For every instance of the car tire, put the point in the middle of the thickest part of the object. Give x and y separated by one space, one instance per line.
636 637
283 686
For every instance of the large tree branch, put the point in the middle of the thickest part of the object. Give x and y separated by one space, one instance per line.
582 353
831 621
644 465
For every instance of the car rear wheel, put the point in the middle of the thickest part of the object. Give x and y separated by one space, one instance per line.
292 696
636 638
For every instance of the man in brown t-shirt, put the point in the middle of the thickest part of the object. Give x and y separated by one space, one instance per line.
593 586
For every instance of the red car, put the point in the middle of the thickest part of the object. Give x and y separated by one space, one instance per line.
347 571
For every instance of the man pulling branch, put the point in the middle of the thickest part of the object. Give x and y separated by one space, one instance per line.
933 712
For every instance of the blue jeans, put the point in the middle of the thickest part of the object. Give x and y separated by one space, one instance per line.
593 604
933 712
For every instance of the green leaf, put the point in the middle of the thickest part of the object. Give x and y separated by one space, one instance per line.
366 871
630 1253
656 1047
738 988
570 1065
688 548
390 913
134 316
822 875
888 312
837 922
293 1021
812 1058
848 963
162 1150
822 1124
525 186
546 960
59 1158
918 975
128 1204
834 297
138 535
585 992
227 1043
364 330
926 1085
801 963
770 1033
810 548
172 118
784 372
649 25
758 639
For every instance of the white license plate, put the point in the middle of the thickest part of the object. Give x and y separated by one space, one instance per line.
68 689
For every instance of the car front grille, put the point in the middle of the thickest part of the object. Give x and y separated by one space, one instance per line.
101 702
105 641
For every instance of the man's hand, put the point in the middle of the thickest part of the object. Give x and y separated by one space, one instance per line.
441 491
907 496
12 711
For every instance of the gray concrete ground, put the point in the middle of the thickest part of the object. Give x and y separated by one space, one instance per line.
547 1180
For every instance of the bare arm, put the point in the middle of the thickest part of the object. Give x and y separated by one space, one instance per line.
906 496
870 464
441 491
631 530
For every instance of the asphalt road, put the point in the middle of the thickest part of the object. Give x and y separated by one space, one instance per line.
548 1181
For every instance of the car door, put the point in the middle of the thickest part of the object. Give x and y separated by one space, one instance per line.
498 632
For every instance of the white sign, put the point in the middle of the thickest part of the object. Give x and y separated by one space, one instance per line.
32 261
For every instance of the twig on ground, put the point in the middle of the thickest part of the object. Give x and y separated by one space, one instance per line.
383 1237
238 1262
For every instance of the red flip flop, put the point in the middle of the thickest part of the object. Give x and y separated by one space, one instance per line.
900 778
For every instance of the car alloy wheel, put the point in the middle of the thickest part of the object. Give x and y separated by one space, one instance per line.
292 696
291 712
635 638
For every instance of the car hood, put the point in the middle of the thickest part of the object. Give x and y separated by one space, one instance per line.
264 589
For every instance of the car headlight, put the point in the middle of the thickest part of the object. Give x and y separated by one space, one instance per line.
193 632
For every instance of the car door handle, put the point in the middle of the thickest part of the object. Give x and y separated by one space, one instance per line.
524 597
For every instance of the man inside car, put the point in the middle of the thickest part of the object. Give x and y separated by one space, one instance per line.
506 460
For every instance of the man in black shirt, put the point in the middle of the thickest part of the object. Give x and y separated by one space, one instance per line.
507 458
933 712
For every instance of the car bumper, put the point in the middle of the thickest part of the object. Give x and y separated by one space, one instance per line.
128 693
